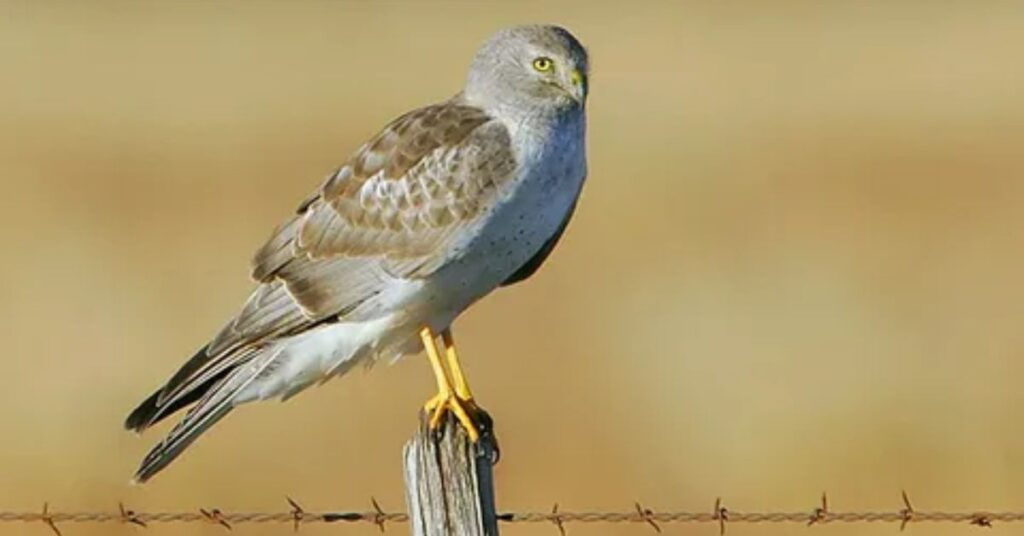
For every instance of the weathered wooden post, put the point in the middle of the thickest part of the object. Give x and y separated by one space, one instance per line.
449 484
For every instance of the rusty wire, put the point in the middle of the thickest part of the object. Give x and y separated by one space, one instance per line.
559 519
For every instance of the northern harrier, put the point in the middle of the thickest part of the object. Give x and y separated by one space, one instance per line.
444 205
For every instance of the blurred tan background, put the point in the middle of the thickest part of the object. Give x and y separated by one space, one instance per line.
796 267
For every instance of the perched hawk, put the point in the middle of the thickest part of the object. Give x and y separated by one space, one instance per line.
444 205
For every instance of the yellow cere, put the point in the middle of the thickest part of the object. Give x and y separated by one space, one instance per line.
576 76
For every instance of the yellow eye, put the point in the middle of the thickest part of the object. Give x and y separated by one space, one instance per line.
543 64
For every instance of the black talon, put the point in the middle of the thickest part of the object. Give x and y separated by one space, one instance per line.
487 445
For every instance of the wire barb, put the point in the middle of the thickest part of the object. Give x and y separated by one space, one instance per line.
721 515
215 516
820 513
129 516
556 518
907 512
379 516
45 517
298 514
647 515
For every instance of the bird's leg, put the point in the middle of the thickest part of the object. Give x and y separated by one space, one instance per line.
444 384
448 398
452 357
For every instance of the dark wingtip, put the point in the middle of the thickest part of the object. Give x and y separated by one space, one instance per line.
153 409
141 417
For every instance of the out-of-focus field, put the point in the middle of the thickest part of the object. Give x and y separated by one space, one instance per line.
797 265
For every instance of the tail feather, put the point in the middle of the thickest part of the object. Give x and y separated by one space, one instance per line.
179 439
217 402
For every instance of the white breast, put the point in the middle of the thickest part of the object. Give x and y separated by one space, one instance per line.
552 167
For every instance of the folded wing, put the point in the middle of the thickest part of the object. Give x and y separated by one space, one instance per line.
394 209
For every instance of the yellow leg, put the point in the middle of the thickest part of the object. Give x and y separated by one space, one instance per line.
447 398
452 357
444 384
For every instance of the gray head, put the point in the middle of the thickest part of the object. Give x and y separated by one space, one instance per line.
526 67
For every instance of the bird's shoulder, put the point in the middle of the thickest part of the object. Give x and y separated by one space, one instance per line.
404 190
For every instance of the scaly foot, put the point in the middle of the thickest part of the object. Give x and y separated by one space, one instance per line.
461 405
465 411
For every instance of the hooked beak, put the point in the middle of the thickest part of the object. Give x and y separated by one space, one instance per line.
577 86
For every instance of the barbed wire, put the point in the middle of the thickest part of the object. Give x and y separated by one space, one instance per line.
719 514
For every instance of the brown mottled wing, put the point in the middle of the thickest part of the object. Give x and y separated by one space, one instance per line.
395 209
392 210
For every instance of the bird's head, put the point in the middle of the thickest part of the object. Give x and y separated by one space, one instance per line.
530 67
